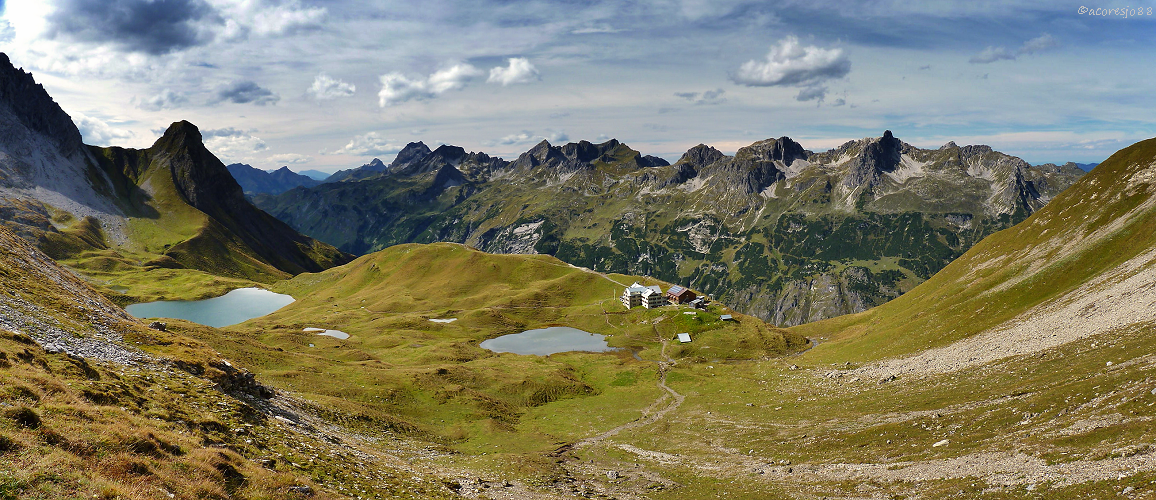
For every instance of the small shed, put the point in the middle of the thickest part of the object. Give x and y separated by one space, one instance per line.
726 317
684 338
698 303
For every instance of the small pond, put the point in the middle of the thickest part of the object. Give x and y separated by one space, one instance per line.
545 341
231 308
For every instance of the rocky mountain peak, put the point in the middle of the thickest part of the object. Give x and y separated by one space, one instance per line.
201 179
410 154
878 156
783 149
35 109
701 156
586 152
949 145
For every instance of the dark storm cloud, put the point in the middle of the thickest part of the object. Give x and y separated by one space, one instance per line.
151 26
246 91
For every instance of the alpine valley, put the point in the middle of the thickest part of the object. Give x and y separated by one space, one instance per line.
891 322
776 231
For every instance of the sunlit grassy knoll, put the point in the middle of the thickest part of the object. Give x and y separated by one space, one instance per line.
402 372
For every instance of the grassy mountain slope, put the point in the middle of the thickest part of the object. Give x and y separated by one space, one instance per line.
775 231
95 405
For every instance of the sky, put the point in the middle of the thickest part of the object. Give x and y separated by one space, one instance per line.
332 84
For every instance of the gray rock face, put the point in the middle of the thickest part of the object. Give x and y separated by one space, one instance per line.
701 156
878 157
32 105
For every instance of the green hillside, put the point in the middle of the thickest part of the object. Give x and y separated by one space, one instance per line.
401 371
95 405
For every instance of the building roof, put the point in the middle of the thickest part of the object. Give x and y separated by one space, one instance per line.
636 288
684 337
649 291
656 288
676 290
726 317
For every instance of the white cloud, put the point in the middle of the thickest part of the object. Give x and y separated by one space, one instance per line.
262 18
326 87
519 70
397 88
166 99
98 132
990 55
792 64
1039 44
993 54
371 144
290 159
232 145
528 137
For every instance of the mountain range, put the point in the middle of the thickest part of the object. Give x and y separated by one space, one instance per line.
775 231
254 180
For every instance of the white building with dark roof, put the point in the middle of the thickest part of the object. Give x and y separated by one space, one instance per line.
645 296
653 297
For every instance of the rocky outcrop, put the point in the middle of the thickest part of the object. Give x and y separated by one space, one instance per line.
34 108
878 157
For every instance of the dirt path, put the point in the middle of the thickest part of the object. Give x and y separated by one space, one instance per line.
649 415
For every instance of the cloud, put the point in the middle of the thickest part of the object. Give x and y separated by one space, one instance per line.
813 93
246 91
326 87
233 145
792 64
990 55
166 99
149 26
290 159
7 31
519 70
371 144
709 97
223 132
528 137
97 132
1037 44
397 88
597 28
265 19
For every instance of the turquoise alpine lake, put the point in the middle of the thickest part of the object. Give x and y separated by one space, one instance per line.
237 306
546 341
